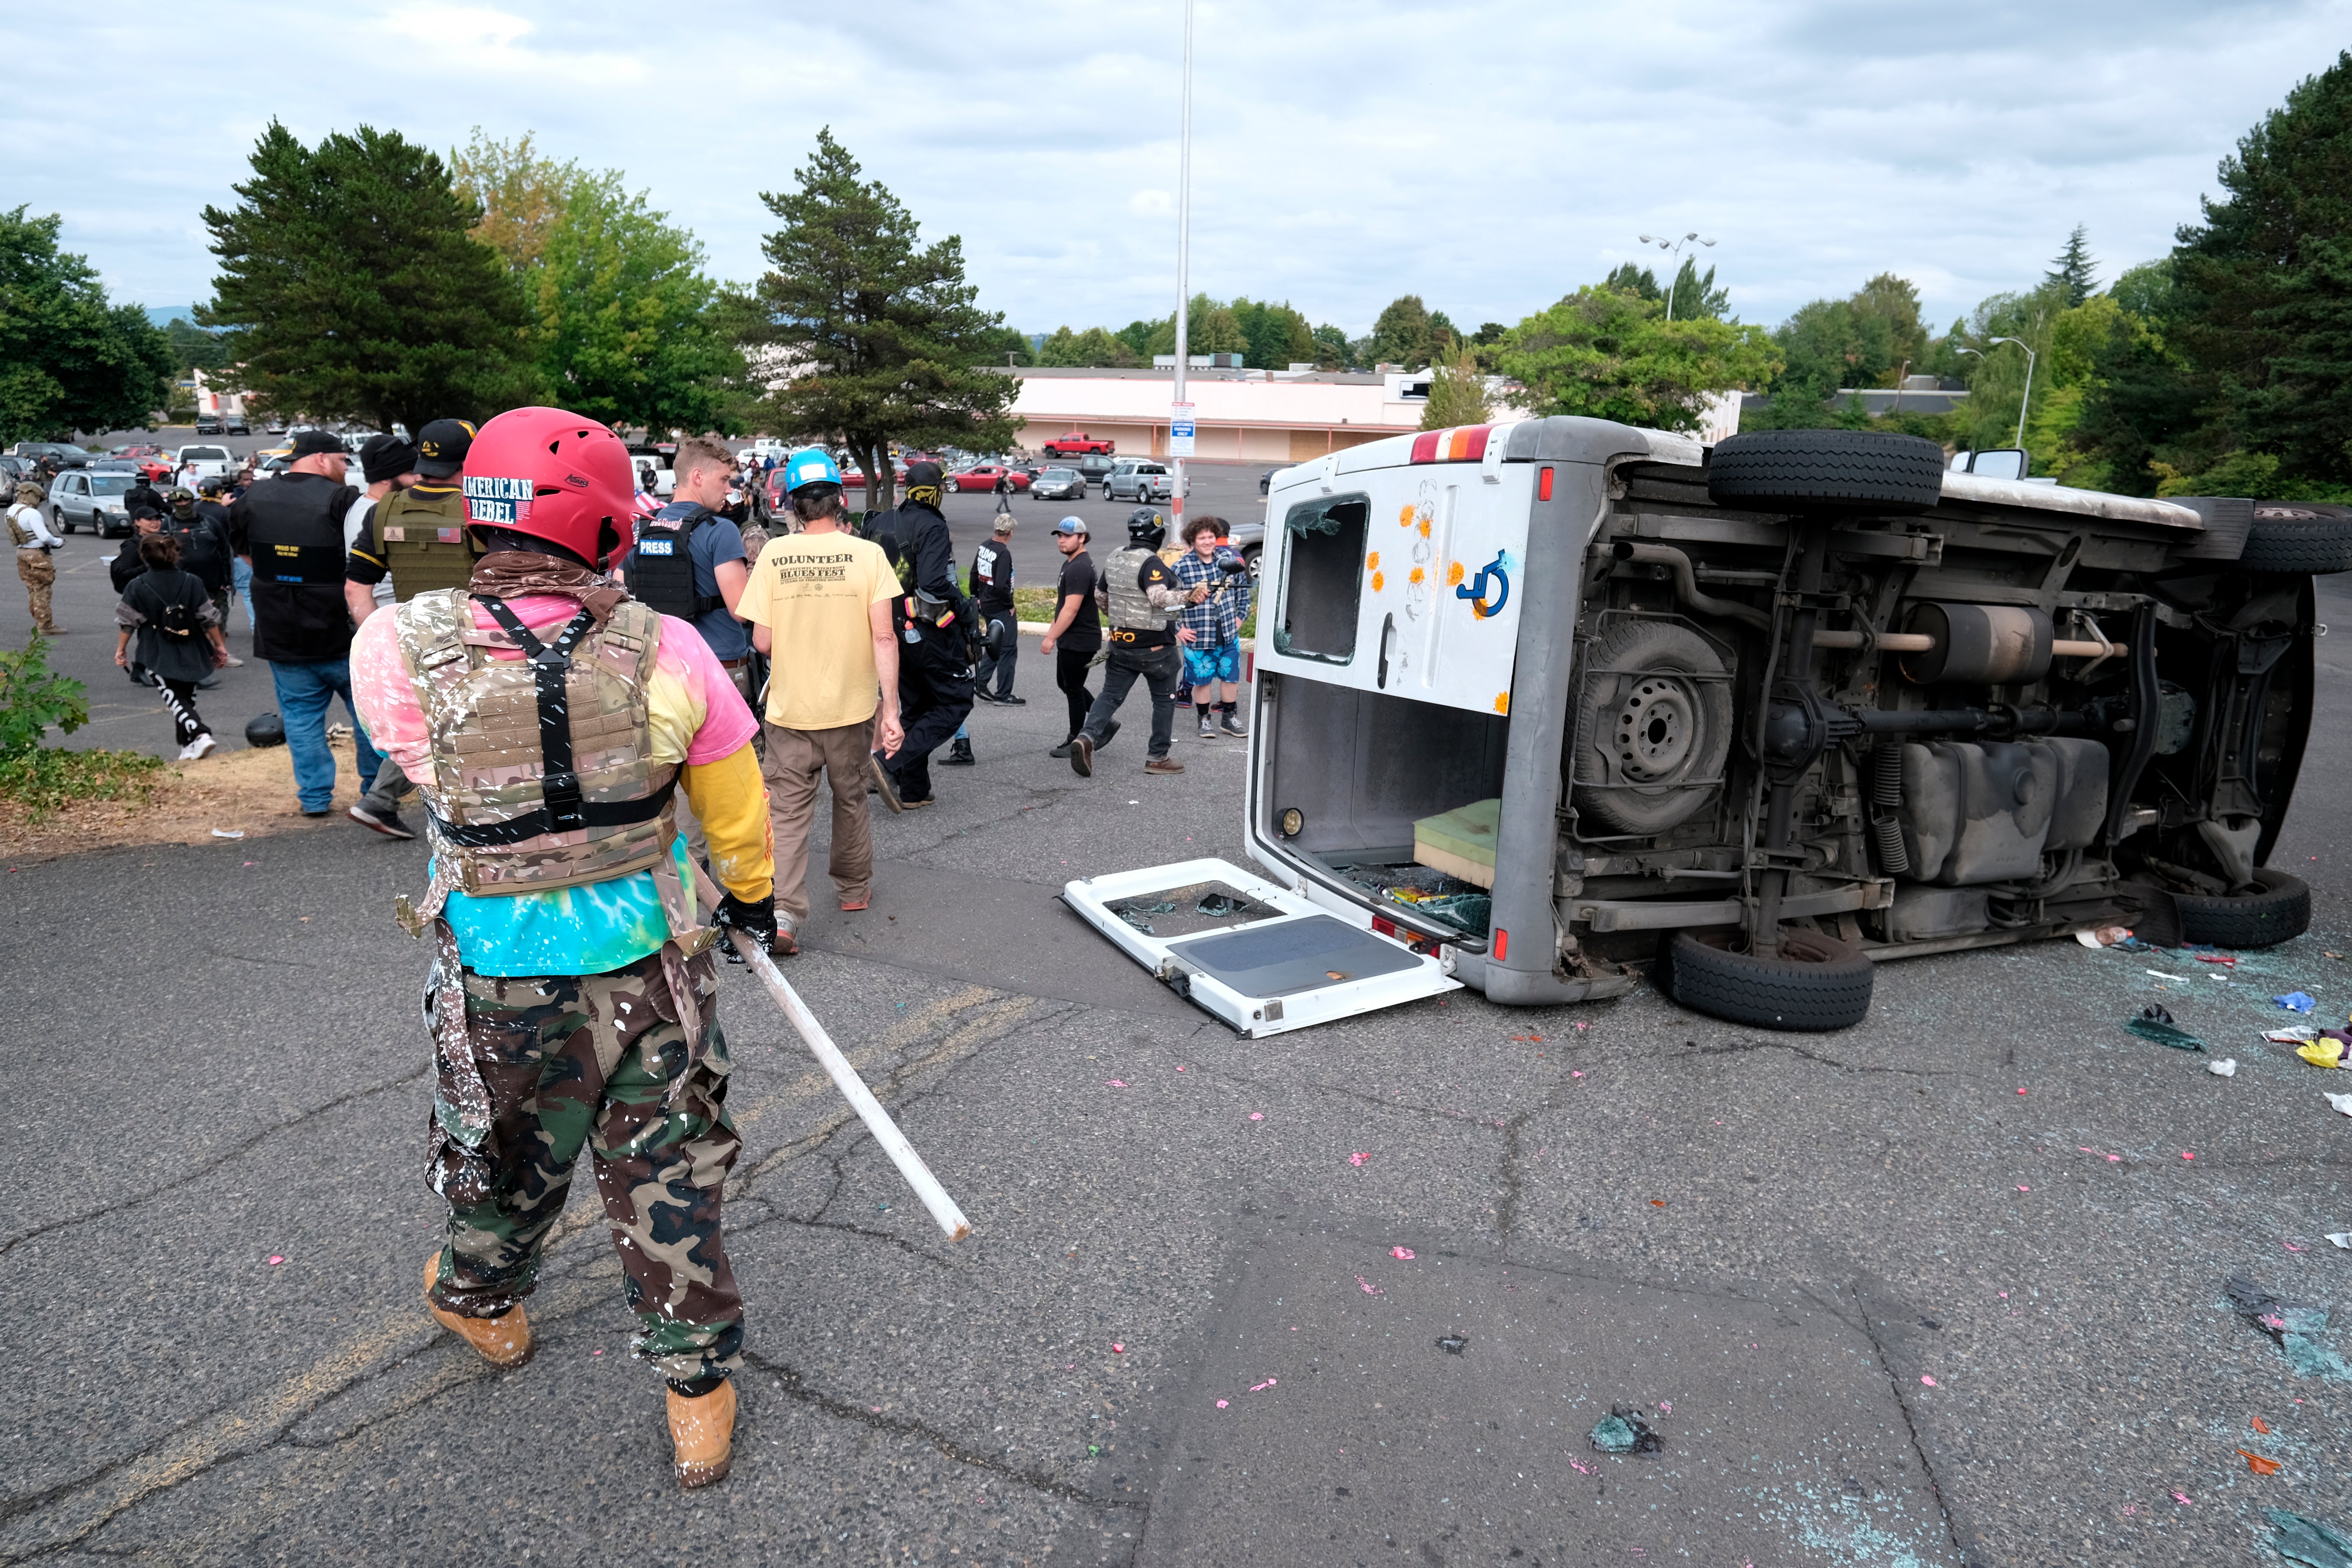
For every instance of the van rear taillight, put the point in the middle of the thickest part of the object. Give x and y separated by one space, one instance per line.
1543 484
1502 945
1462 443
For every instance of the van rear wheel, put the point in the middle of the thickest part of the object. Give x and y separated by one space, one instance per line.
1843 470
2280 913
1816 982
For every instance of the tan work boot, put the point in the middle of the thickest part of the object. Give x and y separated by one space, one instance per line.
703 1432
504 1340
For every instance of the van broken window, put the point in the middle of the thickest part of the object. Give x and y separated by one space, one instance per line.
1325 578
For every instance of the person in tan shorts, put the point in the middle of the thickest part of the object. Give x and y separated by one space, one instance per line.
819 604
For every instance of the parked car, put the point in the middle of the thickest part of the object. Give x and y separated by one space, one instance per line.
1058 484
209 462
984 476
1139 479
85 498
1095 468
211 424
274 427
1077 444
66 455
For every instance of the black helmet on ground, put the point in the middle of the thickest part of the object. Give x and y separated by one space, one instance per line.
264 730
1144 527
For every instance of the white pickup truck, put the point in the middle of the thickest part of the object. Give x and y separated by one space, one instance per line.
1540 705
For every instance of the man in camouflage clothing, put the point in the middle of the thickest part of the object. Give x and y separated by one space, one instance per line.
547 718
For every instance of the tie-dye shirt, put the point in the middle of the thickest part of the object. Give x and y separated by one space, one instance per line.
697 717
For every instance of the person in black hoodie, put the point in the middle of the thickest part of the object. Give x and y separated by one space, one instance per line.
291 531
179 641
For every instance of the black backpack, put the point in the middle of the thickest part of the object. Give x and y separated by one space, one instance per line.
176 617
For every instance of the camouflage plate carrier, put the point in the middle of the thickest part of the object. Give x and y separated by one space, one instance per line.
422 541
539 781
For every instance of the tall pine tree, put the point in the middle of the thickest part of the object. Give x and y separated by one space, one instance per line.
2072 269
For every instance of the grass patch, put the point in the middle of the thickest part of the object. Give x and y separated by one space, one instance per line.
1038 605
44 781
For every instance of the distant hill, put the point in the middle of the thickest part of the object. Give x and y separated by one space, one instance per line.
162 316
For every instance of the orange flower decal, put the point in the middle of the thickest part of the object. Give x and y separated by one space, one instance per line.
1503 702
1373 561
1378 582
1404 518
1418 575
1453 574
1424 528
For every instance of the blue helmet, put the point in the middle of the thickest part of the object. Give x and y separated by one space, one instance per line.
809 465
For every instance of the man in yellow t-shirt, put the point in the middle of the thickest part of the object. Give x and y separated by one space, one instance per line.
819 604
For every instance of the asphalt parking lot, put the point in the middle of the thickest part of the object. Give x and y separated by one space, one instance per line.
1944 1288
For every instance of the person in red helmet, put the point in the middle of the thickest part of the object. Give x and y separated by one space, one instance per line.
547 718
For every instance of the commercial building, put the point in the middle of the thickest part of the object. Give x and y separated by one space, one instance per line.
1253 416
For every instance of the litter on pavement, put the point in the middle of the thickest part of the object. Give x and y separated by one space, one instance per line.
2307 1541
2155 1023
2297 1001
2321 1052
2342 1102
1623 1431
2342 1238
2293 1035
2226 1068
2294 1327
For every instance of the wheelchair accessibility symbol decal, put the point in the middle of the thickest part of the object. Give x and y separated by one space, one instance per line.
1493 579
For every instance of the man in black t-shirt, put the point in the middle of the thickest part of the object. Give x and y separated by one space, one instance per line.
992 593
1076 632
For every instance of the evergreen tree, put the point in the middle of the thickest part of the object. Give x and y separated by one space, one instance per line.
2071 271
350 287
1631 278
1610 354
882 331
2263 288
1457 393
1694 294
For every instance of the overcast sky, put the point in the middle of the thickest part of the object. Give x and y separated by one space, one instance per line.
1487 157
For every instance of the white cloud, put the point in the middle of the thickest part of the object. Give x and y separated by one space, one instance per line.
1489 154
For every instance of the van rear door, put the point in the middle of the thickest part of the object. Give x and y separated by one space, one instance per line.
1397 570
1262 959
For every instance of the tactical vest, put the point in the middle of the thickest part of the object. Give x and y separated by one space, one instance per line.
1134 622
18 535
661 567
540 780
422 541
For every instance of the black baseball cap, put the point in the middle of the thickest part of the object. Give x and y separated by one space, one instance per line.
441 448
312 443
386 457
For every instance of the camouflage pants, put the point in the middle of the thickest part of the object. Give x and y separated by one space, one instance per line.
575 1060
38 573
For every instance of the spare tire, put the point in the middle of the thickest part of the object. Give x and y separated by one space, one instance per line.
2308 540
264 730
1654 727
2280 913
1834 470
1817 983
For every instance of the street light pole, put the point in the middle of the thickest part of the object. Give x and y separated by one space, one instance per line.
1674 246
1177 400
2027 400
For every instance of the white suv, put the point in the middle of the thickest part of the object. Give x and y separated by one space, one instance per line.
1139 479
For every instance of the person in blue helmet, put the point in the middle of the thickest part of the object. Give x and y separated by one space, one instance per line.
820 605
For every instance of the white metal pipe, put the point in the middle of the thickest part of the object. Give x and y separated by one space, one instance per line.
845 1076
1919 642
1183 275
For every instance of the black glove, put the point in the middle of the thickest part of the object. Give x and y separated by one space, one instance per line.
756 917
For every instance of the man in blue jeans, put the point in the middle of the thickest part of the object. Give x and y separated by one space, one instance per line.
290 530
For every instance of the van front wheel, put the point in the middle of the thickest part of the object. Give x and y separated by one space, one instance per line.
1817 982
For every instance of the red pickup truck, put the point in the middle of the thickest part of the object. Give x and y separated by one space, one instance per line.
1077 444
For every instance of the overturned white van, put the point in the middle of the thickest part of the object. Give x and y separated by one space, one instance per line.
1539 703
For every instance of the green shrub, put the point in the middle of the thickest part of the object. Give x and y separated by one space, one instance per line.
45 779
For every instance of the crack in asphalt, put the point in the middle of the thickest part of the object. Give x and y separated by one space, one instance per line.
1736 1047
794 1387
12 1243
1910 1426
1506 1214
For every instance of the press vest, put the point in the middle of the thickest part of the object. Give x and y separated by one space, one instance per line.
1134 621
422 539
661 567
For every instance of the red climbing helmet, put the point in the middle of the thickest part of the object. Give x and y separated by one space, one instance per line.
552 474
